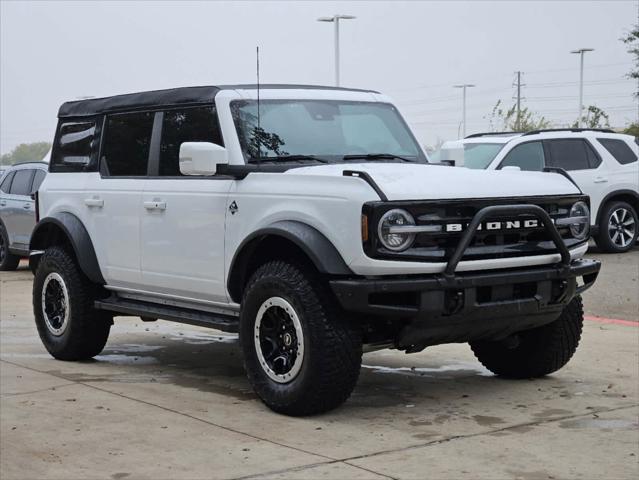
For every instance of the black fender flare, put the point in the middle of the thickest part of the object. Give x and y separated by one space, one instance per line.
74 230
616 193
319 249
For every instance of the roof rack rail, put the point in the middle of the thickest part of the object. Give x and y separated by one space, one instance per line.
568 129
26 163
491 134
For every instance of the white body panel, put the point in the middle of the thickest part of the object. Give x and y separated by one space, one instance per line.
111 212
182 244
331 205
184 251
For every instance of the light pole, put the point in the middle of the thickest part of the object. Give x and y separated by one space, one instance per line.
464 86
581 52
335 19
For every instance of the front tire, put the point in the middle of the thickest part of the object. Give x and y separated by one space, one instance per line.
618 228
536 352
300 355
8 261
68 325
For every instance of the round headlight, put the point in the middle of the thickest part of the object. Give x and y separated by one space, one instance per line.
581 229
389 230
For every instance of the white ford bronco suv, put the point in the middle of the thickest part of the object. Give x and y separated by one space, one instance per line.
308 220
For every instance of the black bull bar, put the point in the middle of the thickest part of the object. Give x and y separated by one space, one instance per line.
496 210
459 307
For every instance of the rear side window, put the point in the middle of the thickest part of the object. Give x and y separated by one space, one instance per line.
37 180
197 124
76 146
593 157
126 143
619 149
528 156
572 154
5 186
21 184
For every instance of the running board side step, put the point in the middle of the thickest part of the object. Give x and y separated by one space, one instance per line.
136 308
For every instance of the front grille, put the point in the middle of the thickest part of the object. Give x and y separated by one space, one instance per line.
486 244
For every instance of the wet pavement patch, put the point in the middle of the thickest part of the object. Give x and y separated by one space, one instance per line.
601 423
487 421
460 369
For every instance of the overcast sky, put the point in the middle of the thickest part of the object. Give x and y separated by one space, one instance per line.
51 52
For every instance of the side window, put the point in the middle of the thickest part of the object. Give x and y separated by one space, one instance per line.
527 156
594 160
619 149
37 180
125 148
569 154
198 124
21 184
76 145
5 187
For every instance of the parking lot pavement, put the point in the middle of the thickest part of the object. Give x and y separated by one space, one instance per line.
616 293
171 401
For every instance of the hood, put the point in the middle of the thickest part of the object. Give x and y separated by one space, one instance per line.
402 181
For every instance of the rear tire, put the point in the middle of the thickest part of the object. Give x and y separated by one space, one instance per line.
618 228
537 352
68 325
8 261
300 355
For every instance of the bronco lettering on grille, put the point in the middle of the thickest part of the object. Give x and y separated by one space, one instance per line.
502 225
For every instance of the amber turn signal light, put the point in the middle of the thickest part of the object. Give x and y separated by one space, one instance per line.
364 228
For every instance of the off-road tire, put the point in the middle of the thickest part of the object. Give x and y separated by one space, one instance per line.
332 346
8 261
88 329
539 351
603 239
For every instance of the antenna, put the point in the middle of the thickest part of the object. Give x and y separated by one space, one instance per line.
259 147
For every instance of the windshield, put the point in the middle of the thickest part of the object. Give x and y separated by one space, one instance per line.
326 130
480 155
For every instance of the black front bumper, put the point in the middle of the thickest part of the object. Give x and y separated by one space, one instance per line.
461 307
447 308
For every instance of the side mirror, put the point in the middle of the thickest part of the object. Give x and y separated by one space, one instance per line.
512 168
201 158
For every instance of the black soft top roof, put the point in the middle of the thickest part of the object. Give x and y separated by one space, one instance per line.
168 98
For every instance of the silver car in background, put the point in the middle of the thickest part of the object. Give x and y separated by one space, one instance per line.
18 185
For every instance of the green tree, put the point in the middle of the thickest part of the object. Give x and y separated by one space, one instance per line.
26 152
595 117
632 129
632 40
508 119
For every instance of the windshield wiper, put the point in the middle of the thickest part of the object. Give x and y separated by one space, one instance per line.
376 156
288 158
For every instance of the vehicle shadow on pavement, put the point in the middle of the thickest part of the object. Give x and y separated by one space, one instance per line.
210 362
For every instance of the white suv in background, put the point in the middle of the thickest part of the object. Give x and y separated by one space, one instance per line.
602 163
